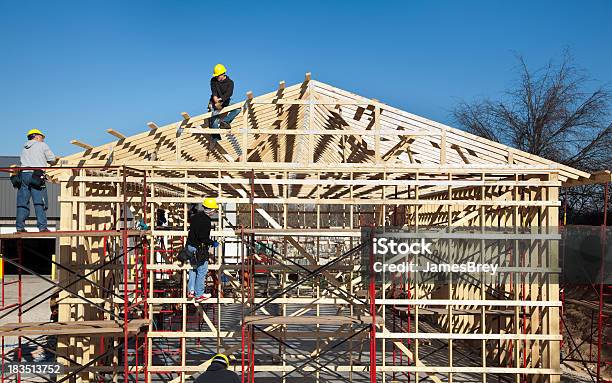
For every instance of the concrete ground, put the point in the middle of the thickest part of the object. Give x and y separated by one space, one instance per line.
31 287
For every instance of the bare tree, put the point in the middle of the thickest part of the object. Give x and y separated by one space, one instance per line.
551 113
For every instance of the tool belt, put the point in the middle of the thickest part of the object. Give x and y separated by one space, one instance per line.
200 256
16 180
38 179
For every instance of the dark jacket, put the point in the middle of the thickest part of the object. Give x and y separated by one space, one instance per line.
222 89
217 373
200 225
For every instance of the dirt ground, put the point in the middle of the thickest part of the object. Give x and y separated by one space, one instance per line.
580 313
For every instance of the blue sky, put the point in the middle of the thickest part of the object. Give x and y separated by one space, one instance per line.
77 68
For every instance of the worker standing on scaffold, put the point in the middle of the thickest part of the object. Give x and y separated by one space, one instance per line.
196 249
31 182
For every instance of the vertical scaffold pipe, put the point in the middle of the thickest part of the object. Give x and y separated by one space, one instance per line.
2 307
20 300
601 281
372 311
142 282
125 278
145 352
251 331
242 291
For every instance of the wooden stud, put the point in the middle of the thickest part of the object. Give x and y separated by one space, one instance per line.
443 148
377 111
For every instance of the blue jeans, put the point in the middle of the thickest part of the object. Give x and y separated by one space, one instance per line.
39 198
197 275
215 121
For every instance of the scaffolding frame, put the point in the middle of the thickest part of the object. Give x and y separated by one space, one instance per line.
599 308
102 303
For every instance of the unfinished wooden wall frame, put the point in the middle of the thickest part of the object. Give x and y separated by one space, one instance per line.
291 209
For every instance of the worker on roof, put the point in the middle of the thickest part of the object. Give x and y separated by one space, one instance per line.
217 371
197 247
31 182
222 89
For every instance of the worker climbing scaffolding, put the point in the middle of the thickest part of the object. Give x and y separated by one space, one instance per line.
196 251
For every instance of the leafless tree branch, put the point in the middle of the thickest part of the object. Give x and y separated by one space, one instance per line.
553 112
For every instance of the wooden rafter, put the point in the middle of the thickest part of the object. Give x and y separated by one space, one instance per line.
335 110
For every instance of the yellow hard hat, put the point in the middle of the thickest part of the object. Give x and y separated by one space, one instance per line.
34 131
210 203
221 358
219 70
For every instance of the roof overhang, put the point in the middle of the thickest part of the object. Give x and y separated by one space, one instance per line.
598 177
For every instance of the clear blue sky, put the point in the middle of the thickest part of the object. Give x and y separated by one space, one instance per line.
76 68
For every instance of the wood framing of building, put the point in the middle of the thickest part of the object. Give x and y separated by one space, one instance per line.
304 169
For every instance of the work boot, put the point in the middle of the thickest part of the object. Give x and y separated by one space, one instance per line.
44 230
202 297
21 231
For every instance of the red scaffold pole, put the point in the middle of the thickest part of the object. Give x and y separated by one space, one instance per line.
601 281
251 261
146 311
144 285
242 289
125 279
2 307
20 300
373 313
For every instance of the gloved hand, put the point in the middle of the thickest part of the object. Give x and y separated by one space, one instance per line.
218 106
215 244
142 225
